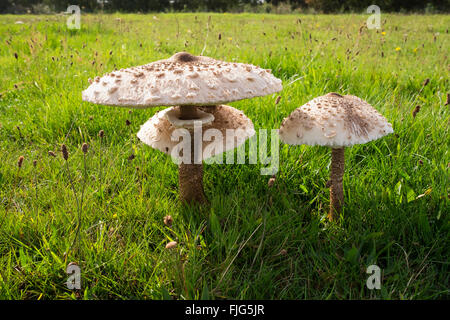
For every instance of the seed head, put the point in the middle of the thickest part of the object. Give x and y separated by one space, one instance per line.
278 100
51 153
34 163
85 148
416 111
101 134
128 122
448 100
20 161
64 152
427 81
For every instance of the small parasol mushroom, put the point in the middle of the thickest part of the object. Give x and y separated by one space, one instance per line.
335 121
197 87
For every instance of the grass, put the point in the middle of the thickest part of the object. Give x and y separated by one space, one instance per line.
253 242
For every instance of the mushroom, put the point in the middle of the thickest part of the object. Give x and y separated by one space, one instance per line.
157 132
335 121
197 88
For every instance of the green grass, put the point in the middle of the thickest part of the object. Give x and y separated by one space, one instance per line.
253 242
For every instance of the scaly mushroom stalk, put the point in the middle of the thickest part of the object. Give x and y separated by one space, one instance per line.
188 112
336 177
190 175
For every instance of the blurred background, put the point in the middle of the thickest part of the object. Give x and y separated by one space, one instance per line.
257 6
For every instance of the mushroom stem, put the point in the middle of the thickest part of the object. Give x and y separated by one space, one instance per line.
336 176
188 112
190 175
190 178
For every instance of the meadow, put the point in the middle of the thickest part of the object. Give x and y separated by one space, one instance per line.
253 241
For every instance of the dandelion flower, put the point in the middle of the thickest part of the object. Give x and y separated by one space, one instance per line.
383 33
398 49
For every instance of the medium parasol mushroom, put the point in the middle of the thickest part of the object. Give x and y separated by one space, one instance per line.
335 121
197 87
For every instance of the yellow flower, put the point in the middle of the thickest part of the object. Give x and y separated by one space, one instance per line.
415 50
230 38
383 33
114 215
398 49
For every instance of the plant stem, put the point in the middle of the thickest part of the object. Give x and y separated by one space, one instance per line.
190 175
76 198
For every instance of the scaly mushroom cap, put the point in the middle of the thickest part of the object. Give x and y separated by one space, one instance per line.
334 120
157 131
183 79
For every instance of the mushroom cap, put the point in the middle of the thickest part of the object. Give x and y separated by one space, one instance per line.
183 79
157 131
335 121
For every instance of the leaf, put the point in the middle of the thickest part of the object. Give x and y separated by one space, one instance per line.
215 225
404 175
351 255
305 190
384 293
398 187
410 194
205 292
374 235
165 293
398 190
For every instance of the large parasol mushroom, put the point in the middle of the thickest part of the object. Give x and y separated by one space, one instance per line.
335 121
197 86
